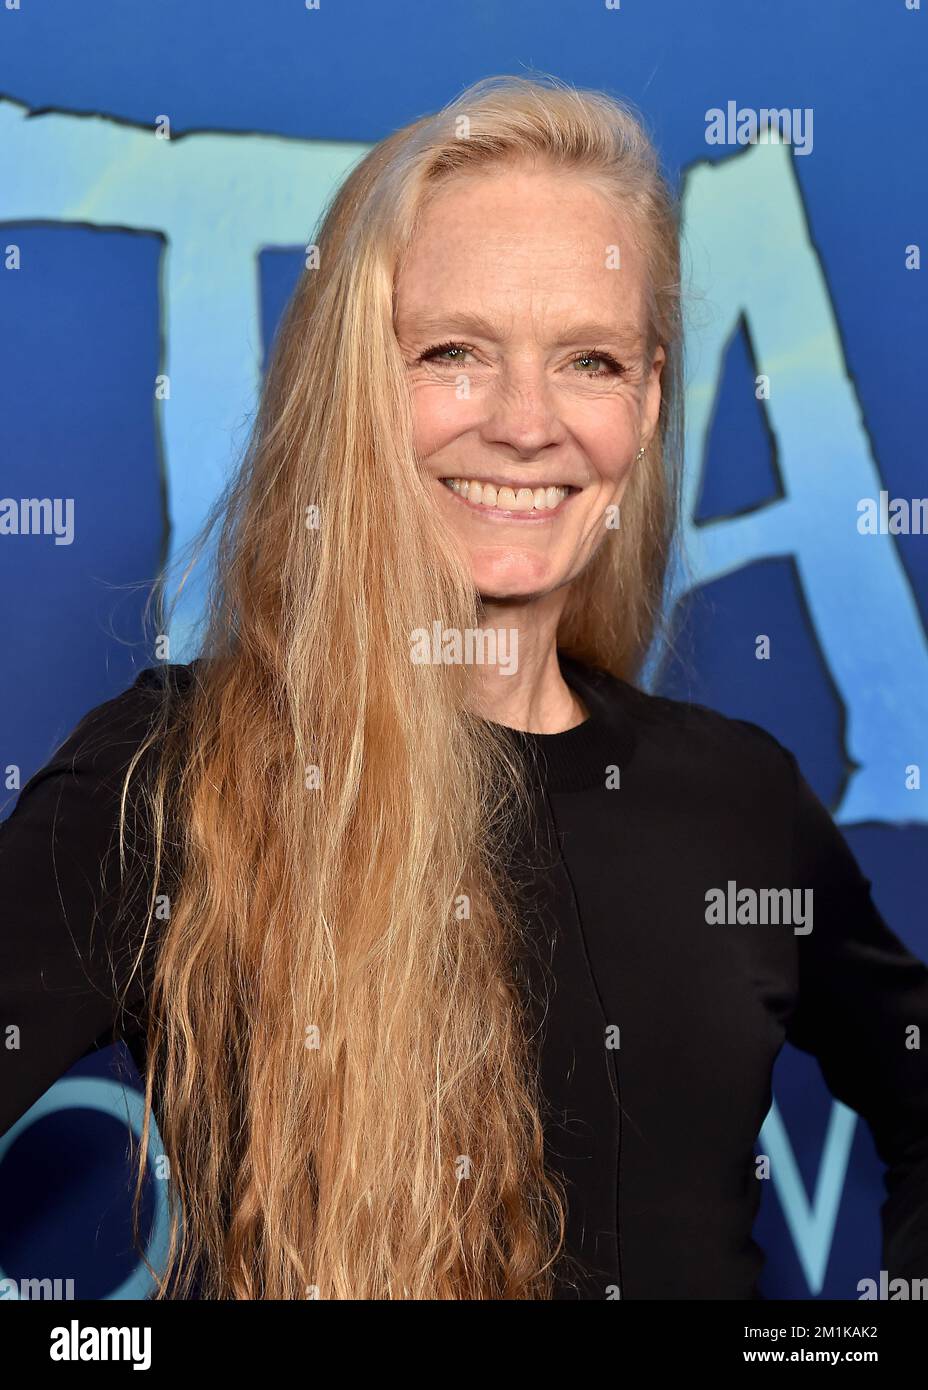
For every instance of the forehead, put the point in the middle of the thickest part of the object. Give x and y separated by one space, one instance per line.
511 241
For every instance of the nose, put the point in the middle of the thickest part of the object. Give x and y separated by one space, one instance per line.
522 411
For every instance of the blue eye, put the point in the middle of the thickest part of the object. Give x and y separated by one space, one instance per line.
613 368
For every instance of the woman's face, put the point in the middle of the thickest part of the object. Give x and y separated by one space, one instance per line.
520 313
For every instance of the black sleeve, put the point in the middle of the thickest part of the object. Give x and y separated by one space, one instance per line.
863 1013
60 967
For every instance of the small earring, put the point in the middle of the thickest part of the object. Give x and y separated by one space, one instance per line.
640 455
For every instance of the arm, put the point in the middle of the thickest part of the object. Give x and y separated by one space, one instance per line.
60 964
861 993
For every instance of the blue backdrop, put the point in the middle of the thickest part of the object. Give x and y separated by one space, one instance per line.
161 169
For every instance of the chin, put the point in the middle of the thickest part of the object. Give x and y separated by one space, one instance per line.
514 577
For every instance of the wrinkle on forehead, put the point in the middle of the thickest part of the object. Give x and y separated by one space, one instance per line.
509 256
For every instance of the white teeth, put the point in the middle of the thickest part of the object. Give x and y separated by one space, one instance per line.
539 499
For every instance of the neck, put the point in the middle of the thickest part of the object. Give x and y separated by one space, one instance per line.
528 693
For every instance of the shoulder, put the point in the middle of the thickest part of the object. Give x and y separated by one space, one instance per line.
94 756
122 721
689 734
60 847
695 733
697 769
710 775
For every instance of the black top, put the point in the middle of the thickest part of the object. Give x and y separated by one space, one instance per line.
660 1004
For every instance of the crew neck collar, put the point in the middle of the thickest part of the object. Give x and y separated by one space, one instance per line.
577 759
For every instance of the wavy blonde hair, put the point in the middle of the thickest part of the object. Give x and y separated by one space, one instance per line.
332 1033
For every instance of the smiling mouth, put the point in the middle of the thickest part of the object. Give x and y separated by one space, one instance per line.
524 503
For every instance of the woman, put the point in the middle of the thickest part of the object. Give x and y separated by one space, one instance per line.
418 942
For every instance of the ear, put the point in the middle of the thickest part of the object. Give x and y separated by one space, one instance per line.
652 396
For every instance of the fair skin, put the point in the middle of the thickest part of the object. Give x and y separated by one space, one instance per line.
546 385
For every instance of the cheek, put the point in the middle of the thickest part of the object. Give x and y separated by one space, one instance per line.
438 418
610 448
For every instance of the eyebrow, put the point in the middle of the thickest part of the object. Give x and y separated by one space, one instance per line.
582 331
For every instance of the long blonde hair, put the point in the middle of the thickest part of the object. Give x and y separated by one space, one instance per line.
338 1055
